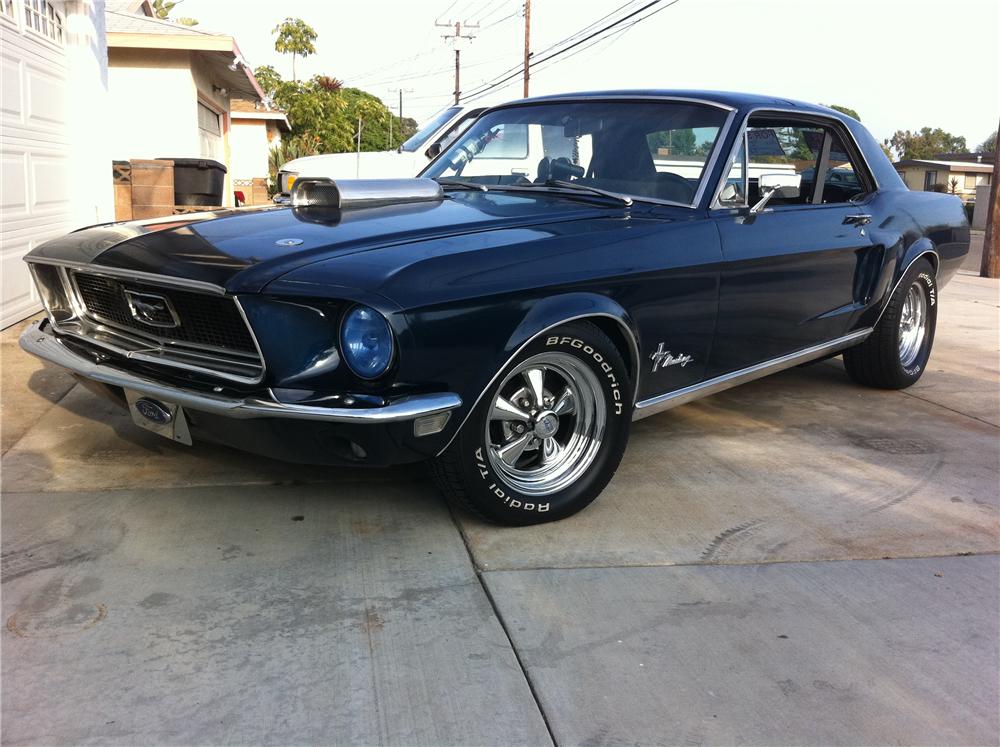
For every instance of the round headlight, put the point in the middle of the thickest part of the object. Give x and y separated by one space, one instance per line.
366 340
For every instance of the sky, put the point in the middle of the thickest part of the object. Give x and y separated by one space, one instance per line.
901 64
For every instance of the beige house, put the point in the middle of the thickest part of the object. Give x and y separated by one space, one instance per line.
256 129
170 88
925 175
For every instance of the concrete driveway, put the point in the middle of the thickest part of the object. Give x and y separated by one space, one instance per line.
796 561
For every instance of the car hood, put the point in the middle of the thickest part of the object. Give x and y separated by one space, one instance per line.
244 249
388 164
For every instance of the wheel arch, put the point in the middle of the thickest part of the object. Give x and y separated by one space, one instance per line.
921 248
551 312
604 313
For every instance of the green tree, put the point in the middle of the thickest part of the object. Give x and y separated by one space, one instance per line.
989 145
845 110
295 37
288 149
407 128
368 113
926 143
325 115
268 78
162 8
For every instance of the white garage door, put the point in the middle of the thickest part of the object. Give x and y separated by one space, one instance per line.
34 146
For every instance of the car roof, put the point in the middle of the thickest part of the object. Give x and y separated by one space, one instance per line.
731 99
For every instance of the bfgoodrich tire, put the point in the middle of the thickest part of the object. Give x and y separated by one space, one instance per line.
896 353
548 435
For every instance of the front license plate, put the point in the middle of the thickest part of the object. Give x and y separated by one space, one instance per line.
160 417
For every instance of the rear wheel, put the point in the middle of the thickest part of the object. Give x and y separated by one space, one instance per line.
896 353
548 435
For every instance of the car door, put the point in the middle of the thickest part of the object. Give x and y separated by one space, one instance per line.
794 272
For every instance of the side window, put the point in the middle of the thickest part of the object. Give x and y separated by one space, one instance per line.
507 141
734 191
843 181
785 149
455 130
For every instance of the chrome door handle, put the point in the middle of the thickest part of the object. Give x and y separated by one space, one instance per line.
857 220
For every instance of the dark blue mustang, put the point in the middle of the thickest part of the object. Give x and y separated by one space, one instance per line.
568 265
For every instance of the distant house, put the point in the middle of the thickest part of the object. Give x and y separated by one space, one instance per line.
256 129
170 88
973 170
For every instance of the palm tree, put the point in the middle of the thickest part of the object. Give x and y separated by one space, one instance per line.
294 36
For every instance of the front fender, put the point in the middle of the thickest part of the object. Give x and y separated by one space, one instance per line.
555 310
466 350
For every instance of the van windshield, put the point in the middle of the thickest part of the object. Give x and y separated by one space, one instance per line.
645 149
417 140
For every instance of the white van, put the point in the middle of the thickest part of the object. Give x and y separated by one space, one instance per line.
408 160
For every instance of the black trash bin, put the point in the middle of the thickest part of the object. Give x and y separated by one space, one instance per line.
198 181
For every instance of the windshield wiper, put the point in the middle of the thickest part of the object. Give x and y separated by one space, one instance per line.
623 199
461 184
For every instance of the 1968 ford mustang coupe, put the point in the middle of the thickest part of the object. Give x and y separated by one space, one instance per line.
569 264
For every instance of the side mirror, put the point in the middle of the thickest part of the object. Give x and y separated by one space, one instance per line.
434 151
786 186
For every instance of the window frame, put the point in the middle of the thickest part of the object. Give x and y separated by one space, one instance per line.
51 17
866 176
704 183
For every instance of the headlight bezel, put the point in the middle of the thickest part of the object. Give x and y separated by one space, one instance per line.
344 349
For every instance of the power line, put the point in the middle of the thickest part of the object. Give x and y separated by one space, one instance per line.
473 13
579 41
447 10
570 38
498 22
497 8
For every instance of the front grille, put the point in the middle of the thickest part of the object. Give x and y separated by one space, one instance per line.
203 320
183 329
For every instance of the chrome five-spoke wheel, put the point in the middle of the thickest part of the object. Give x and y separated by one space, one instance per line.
546 424
912 323
548 433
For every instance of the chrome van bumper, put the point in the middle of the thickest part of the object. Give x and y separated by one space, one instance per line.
39 340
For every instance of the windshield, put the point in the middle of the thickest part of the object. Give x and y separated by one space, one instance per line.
645 149
436 123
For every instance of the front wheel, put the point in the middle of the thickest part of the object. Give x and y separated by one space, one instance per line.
896 353
547 436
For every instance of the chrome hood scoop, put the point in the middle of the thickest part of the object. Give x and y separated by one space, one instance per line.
349 194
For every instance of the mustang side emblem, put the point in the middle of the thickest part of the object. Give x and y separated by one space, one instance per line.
152 309
663 358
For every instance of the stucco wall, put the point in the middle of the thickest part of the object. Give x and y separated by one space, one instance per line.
249 148
153 104
153 97
90 164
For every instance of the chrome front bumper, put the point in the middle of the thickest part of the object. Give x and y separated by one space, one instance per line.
43 343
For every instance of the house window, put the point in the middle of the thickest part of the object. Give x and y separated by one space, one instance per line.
7 9
210 132
970 181
42 18
930 179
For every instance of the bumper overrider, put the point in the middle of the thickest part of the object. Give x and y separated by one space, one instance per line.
405 429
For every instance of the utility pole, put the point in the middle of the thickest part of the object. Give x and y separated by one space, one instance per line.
457 36
527 44
400 91
989 267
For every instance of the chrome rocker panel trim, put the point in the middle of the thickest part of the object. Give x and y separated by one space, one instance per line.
679 397
46 345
